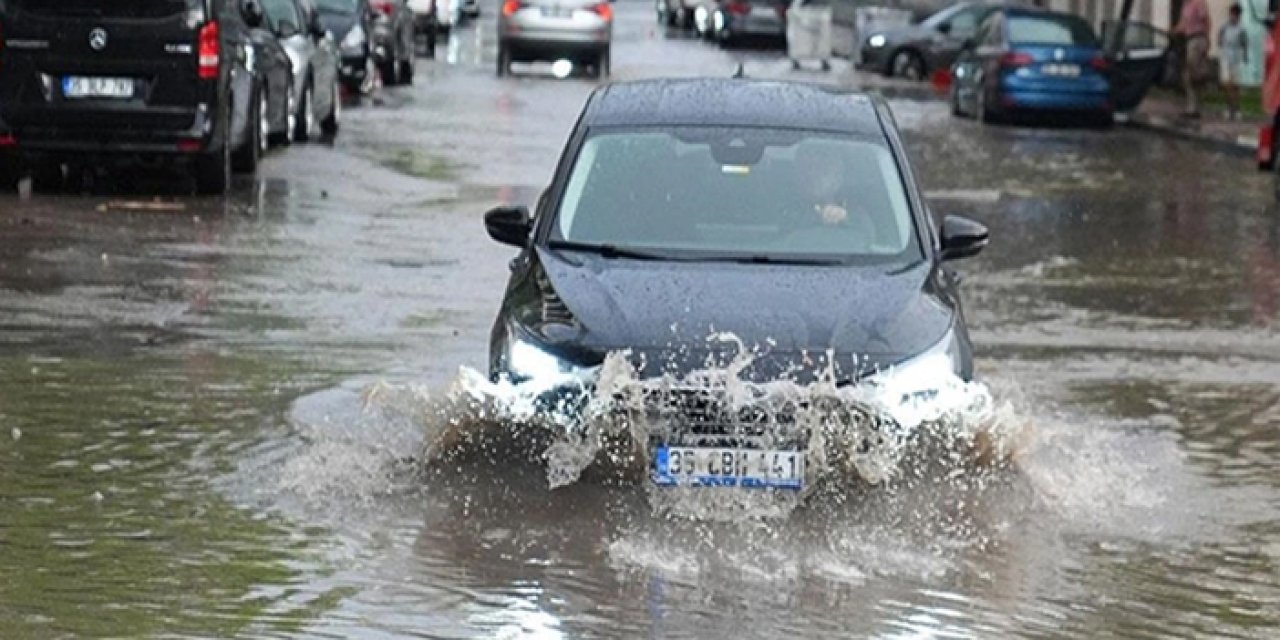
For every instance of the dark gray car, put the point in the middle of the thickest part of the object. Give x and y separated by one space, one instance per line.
914 51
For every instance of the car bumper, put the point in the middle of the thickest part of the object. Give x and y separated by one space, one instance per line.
756 26
101 134
548 42
1055 101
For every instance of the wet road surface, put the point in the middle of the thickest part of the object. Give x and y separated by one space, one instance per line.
185 447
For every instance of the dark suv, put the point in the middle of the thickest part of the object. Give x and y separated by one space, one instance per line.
156 79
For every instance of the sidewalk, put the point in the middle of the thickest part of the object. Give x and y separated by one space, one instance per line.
1161 111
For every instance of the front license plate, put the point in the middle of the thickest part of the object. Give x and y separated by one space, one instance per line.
97 87
1064 70
712 467
557 12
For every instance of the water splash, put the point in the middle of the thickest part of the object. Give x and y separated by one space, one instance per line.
609 421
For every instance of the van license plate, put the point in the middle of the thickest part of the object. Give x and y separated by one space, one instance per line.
97 87
716 467
1061 70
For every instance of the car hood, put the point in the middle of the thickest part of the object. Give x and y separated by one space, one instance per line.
669 314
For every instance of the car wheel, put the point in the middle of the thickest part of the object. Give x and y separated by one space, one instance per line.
47 177
247 156
285 136
908 65
431 44
604 61
330 124
213 170
985 114
504 60
407 69
955 102
10 171
305 121
390 72
372 77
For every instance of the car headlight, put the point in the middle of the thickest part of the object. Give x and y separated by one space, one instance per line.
877 41
354 41
934 369
528 362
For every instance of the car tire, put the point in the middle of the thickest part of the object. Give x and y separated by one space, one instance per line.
407 69
431 44
907 64
955 102
284 137
47 177
504 60
245 159
10 171
213 170
603 63
305 124
390 71
329 126
984 112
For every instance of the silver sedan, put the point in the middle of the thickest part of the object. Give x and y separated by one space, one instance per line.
579 31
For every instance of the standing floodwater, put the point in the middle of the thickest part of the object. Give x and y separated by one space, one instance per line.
216 419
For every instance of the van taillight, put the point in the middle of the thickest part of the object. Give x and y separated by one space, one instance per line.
385 7
510 7
208 51
738 8
604 11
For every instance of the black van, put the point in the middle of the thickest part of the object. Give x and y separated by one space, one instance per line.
158 79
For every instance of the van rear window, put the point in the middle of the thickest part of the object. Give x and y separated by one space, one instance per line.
108 8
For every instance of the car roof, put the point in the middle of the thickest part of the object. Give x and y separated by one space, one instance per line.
734 102
1035 12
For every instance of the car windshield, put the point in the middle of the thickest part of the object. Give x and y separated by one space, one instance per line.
940 17
336 6
1052 30
751 193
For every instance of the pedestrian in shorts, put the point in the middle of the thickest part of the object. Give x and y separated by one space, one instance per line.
1194 27
1233 54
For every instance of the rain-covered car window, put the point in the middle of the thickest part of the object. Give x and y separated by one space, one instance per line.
1051 30
107 8
739 192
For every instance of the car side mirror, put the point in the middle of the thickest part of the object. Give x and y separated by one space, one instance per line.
252 12
969 44
286 29
509 225
945 28
962 238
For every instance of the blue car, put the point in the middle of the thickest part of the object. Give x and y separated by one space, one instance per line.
1031 61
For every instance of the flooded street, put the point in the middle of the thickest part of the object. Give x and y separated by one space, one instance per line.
211 416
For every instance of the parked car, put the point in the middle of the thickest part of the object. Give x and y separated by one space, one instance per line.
578 30
154 80
676 13
316 100
394 40
1026 60
914 51
351 23
675 201
425 23
736 19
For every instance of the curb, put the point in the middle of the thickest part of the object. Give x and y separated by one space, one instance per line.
1242 146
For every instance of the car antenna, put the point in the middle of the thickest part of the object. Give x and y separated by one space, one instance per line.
741 71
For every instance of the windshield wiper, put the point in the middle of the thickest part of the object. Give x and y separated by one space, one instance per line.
791 260
607 250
